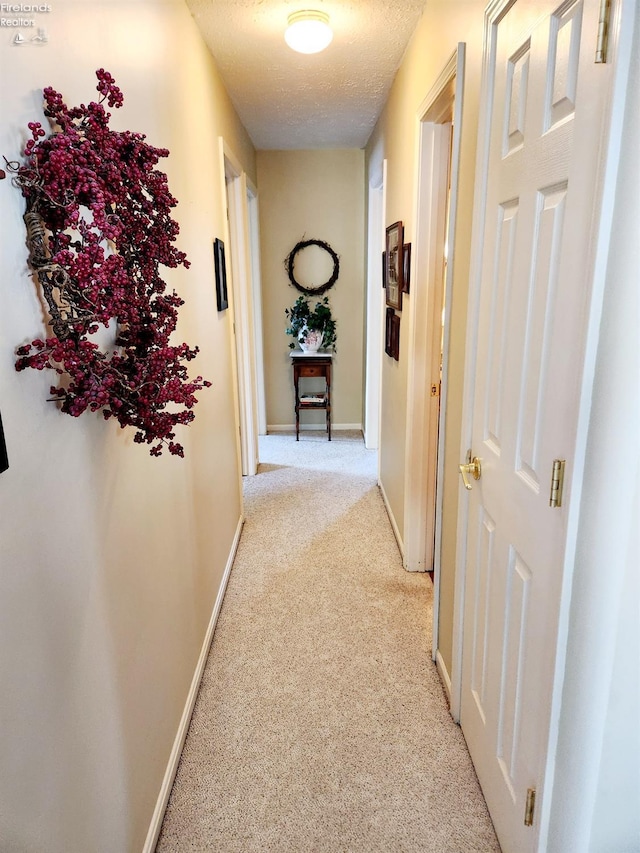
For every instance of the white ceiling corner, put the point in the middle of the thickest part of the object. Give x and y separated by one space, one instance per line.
289 100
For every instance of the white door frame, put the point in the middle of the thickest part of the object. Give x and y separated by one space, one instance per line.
237 238
374 326
601 226
448 298
256 284
423 509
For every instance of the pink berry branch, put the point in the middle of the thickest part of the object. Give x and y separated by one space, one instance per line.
98 231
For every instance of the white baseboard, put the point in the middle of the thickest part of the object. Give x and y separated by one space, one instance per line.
444 675
319 426
394 526
183 728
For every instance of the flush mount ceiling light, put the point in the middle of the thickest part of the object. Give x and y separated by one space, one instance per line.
308 32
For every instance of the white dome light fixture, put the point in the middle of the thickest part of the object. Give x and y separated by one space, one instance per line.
308 31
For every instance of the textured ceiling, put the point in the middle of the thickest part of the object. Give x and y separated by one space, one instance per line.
290 100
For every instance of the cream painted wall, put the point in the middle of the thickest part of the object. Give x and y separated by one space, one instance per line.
313 195
110 560
442 26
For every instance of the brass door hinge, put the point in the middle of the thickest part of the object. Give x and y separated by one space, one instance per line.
603 31
529 807
557 482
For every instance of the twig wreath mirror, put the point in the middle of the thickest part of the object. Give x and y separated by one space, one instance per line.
310 288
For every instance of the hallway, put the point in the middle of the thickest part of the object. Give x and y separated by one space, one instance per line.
321 724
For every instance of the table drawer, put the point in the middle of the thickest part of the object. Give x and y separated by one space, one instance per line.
312 370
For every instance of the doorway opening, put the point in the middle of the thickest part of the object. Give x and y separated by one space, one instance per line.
374 311
242 271
439 120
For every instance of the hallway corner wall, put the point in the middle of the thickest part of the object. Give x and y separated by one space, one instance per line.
442 27
313 195
111 560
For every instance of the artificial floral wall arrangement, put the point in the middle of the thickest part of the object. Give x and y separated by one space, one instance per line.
98 231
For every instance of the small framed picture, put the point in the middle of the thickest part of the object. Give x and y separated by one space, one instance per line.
221 275
395 336
4 458
392 334
387 331
394 266
406 267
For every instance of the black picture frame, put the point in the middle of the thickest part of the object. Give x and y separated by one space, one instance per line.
406 267
395 336
387 331
221 274
394 267
392 334
4 458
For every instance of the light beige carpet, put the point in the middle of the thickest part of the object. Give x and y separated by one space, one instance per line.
321 724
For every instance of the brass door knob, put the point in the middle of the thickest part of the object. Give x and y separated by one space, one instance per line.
473 467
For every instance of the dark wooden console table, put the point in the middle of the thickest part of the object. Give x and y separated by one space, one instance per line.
307 365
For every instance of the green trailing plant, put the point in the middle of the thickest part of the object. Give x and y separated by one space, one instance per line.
302 320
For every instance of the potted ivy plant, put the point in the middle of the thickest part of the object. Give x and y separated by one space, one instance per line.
311 329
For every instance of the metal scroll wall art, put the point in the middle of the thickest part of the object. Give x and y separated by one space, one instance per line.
99 230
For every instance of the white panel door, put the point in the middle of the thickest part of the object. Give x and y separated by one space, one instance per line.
542 126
